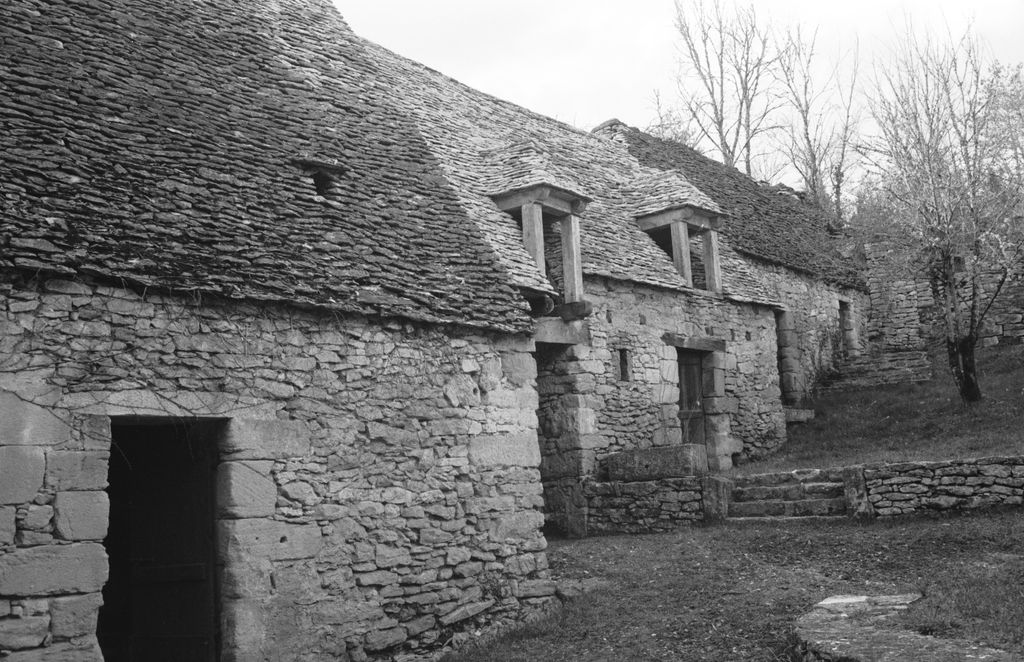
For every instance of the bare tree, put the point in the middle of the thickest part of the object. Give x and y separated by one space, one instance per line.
819 136
671 124
727 62
948 132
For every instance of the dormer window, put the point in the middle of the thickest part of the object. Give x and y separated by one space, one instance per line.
690 237
549 217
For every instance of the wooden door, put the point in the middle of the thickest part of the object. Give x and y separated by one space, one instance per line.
691 392
160 600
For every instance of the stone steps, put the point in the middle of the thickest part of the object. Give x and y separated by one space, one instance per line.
780 508
805 493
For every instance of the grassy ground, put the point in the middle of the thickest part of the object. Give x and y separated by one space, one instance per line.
911 421
731 593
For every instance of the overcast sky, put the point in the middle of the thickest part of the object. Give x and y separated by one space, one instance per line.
586 61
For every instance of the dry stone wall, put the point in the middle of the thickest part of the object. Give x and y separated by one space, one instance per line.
901 489
1005 321
642 506
378 487
822 340
899 304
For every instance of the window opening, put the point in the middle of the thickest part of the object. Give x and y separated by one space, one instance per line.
550 222
323 183
625 367
694 252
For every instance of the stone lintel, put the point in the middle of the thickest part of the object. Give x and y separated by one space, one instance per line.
696 344
555 331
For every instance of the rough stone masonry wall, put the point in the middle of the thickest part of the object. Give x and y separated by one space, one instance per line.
643 506
378 485
1005 321
643 411
901 489
814 309
899 304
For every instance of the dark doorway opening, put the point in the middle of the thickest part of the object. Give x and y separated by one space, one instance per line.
691 395
160 603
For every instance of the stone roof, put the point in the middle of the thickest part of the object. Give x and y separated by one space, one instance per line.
763 222
474 137
261 150
249 150
521 164
670 190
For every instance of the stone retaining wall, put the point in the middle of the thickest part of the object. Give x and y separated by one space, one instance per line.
884 490
901 489
378 485
643 506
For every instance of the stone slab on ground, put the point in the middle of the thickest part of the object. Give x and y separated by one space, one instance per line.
851 628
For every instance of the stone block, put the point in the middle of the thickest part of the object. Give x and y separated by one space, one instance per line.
525 525
75 616
462 391
519 368
655 463
249 439
76 470
517 450
247 578
714 382
536 588
25 423
716 493
381 639
246 489
22 633
84 649
94 431
721 447
37 518
721 405
81 515
7 525
243 634
53 570
789 364
465 611
668 436
245 539
21 473
666 393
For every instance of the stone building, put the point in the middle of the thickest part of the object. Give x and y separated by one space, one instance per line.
311 338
